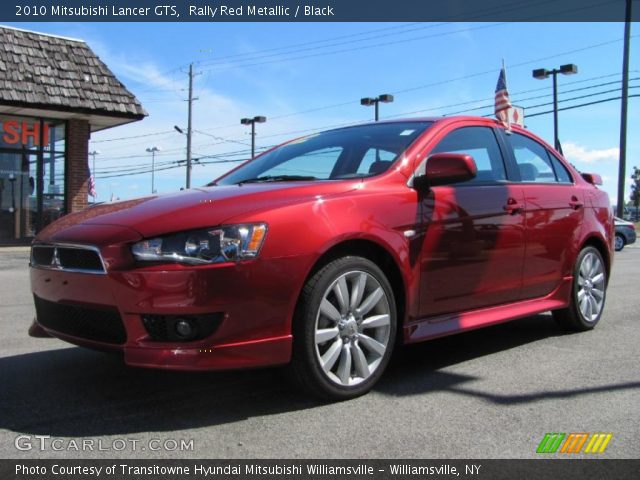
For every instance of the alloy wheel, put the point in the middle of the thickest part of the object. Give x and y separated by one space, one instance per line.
352 328
591 287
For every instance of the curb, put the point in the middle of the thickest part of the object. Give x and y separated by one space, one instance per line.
14 250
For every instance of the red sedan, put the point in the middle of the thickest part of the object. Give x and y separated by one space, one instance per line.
327 251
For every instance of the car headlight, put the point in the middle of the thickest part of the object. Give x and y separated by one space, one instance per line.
228 243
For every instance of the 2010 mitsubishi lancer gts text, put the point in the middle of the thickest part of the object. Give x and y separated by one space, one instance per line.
326 252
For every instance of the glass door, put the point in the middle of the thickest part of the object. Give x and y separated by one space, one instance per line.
18 205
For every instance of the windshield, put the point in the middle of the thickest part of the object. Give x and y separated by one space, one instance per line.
352 152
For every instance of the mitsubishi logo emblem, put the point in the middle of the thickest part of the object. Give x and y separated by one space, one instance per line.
55 260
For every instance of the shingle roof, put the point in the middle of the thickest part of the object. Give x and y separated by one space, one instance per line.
60 73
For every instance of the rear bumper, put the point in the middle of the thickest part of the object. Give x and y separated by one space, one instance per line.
254 301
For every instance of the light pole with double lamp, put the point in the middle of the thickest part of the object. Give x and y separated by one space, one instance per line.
542 73
252 122
368 101
152 151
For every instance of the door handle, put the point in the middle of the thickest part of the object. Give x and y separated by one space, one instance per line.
513 206
575 203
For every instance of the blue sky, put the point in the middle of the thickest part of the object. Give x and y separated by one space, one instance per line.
311 76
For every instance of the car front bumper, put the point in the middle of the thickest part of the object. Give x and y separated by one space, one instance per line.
254 302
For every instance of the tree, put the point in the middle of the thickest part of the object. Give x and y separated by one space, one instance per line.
635 188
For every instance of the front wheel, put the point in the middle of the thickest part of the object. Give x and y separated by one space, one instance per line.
344 329
587 294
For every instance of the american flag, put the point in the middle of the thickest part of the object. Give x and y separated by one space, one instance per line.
503 104
92 184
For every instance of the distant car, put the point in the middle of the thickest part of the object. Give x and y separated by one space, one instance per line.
327 251
625 233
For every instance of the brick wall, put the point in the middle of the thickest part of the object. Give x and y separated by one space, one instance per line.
77 187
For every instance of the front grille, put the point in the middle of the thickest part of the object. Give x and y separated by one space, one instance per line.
42 255
72 258
101 325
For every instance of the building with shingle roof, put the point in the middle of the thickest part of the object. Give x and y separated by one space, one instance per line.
58 74
54 91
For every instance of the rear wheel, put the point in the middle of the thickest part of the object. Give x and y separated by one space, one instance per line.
588 292
619 242
344 330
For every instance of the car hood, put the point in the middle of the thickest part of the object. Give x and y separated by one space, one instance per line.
194 208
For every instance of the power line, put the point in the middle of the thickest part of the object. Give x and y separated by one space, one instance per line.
132 136
571 107
177 163
440 107
384 44
447 81
475 16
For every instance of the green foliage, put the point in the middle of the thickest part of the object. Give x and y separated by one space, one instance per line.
635 187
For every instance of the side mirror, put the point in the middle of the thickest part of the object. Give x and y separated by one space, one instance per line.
445 169
592 178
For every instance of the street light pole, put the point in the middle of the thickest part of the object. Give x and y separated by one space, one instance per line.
368 101
152 151
253 139
93 162
556 137
542 73
93 166
622 162
252 122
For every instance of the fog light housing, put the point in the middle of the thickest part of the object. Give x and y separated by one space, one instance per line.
181 328
184 328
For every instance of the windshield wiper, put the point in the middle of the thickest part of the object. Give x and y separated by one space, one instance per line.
277 178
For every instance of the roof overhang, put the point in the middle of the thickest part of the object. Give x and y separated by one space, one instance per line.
98 120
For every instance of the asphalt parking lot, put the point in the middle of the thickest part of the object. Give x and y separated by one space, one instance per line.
492 393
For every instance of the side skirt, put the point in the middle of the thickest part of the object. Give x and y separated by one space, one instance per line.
433 327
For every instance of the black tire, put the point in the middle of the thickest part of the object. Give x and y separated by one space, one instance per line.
573 317
620 242
342 380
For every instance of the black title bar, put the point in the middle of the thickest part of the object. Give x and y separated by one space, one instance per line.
129 469
314 11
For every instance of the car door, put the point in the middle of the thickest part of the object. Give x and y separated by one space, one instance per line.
554 212
473 250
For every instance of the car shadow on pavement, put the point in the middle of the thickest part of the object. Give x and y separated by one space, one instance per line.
76 392
416 369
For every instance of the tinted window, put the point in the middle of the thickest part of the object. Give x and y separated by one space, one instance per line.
562 174
481 144
532 159
343 153
376 160
317 163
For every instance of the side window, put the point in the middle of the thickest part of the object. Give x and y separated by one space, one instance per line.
376 160
562 173
481 144
317 163
532 159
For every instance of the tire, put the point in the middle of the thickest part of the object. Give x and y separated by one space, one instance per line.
619 242
343 334
588 293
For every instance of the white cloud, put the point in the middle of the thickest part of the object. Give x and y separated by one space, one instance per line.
577 153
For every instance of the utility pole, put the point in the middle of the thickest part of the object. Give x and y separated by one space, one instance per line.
622 167
189 130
